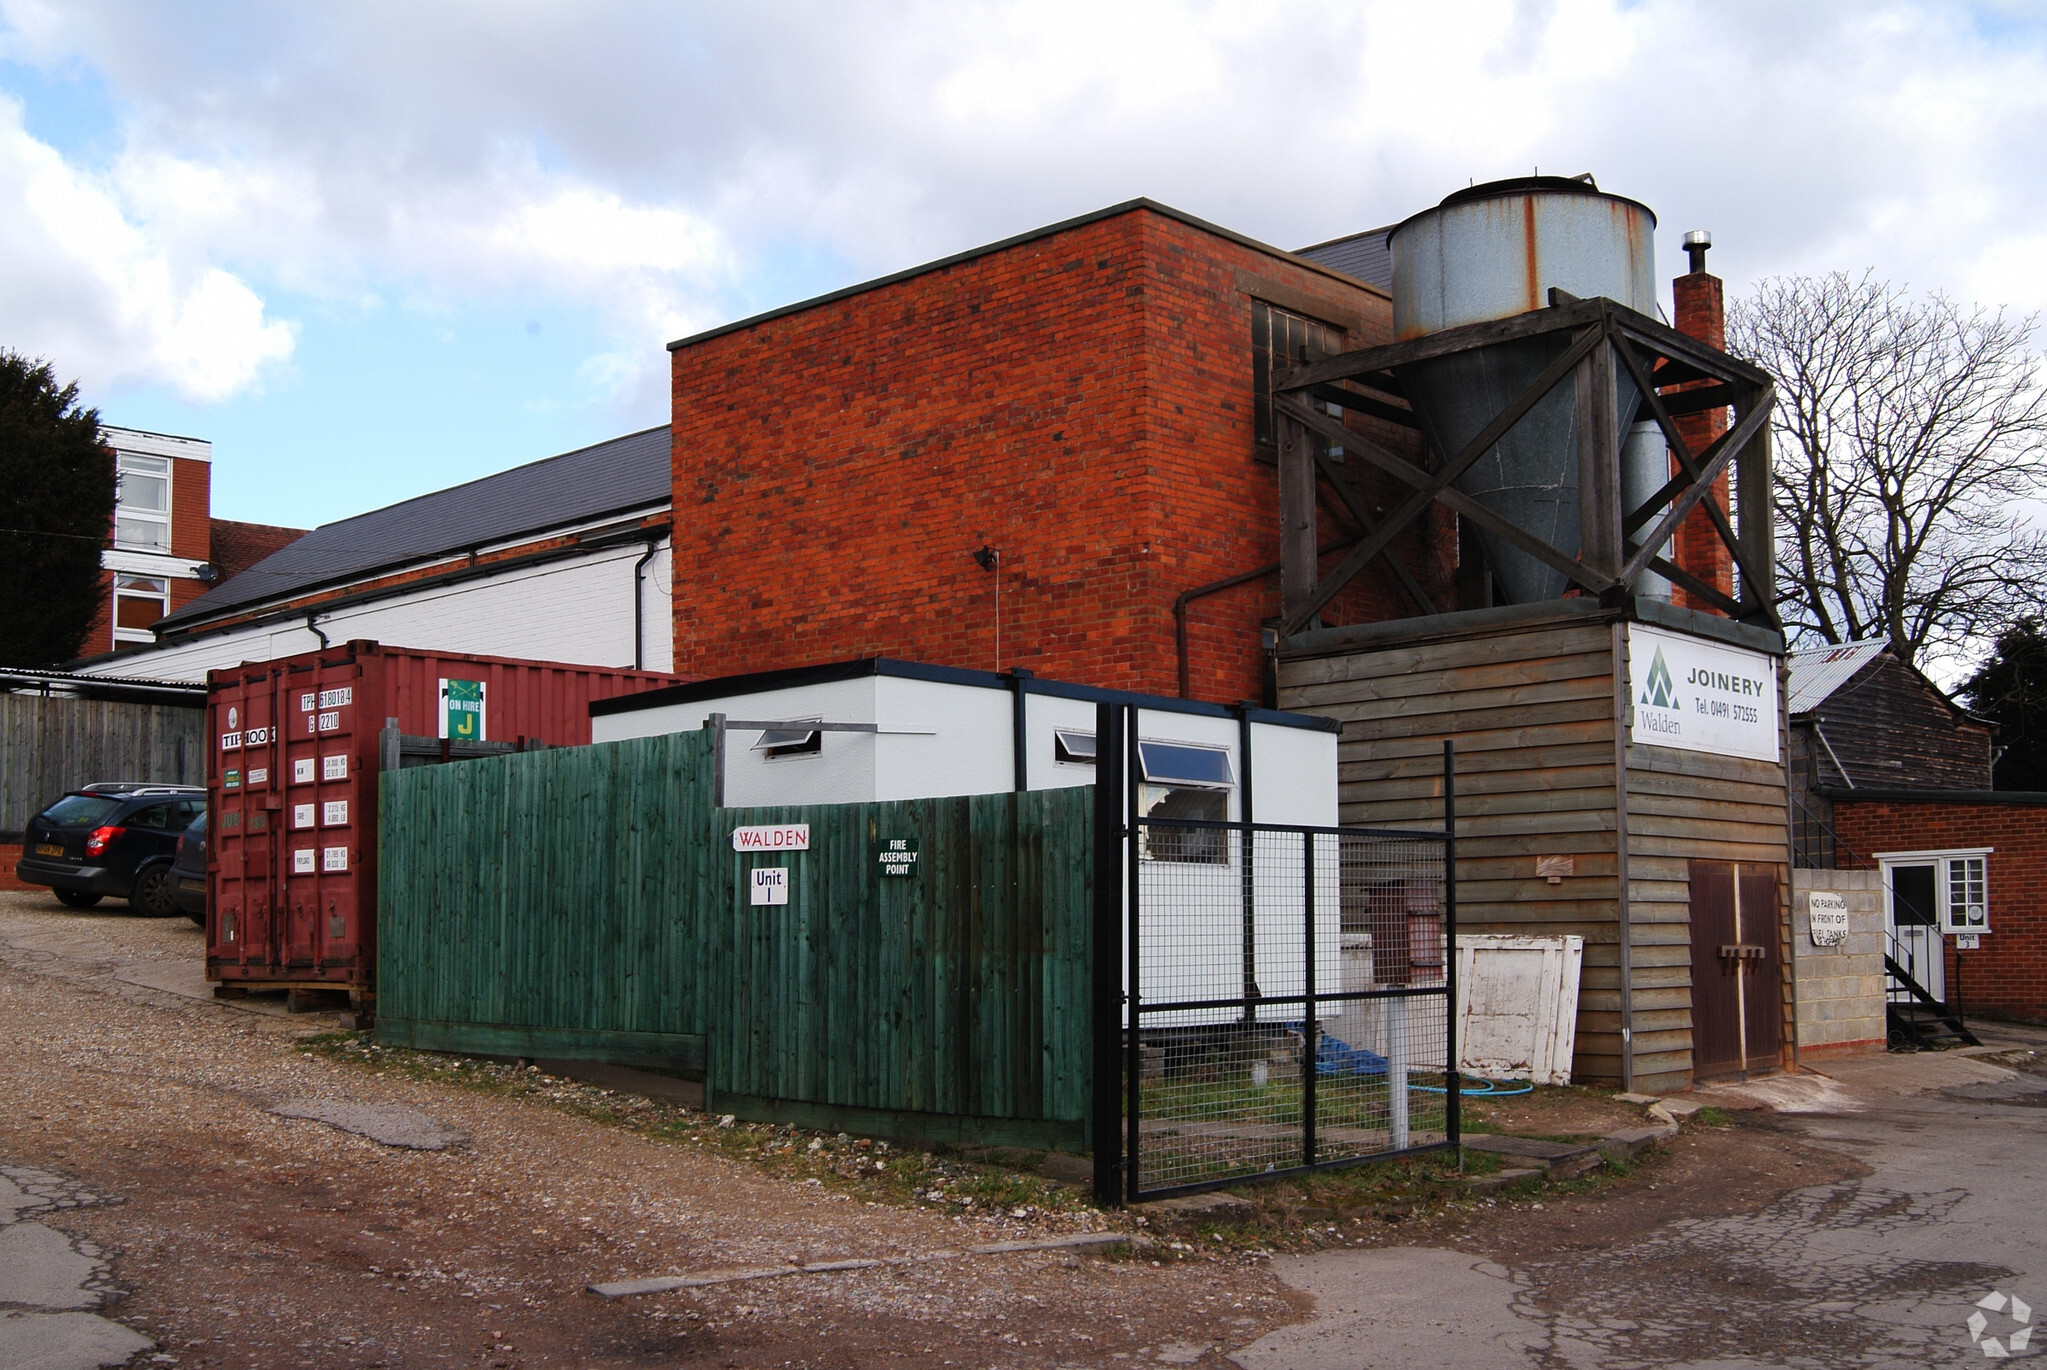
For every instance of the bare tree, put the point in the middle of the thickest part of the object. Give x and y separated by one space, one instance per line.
1908 433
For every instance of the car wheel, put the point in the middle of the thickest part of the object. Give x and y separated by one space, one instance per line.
76 899
152 893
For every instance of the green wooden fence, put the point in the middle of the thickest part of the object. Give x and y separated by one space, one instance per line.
587 903
951 1003
550 903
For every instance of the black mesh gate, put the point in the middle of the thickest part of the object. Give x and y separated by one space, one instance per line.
1286 997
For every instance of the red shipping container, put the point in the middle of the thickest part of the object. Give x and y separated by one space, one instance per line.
292 790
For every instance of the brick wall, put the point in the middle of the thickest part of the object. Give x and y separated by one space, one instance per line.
1080 400
1699 310
191 508
2007 976
1839 990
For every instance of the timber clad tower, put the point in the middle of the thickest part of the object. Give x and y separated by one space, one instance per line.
1621 767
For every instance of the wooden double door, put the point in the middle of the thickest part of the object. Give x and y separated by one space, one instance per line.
1737 969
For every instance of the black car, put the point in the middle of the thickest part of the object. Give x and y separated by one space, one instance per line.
188 872
110 840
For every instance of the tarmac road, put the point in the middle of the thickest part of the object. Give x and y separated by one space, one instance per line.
1886 1270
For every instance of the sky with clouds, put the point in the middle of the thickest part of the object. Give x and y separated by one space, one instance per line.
373 249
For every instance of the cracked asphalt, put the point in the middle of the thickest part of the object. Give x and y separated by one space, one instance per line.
1883 1270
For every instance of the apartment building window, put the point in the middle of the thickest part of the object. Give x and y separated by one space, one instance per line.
139 601
142 504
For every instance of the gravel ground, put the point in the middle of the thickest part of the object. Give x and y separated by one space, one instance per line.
247 1239
244 1238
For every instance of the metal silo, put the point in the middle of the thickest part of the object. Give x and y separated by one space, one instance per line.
1490 252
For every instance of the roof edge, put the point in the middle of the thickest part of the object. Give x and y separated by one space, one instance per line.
185 620
1017 240
2025 798
862 668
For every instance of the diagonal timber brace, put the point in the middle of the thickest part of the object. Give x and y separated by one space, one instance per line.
1607 339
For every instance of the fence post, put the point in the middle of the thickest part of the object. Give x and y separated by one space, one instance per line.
1107 947
1453 1081
717 726
1310 1031
389 755
1133 1044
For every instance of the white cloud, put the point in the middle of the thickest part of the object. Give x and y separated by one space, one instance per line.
659 166
81 282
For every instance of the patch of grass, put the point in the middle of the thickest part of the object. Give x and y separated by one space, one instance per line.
1714 1117
860 1167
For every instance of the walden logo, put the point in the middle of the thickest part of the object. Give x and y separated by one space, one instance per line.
1661 694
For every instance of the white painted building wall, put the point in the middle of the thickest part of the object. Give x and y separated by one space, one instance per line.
941 738
577 610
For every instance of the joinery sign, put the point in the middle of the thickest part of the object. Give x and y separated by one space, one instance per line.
1701 696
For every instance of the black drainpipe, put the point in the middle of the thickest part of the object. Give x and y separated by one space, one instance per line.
1216 587
314 628
639 606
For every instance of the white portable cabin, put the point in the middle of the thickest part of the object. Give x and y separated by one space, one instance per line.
880 729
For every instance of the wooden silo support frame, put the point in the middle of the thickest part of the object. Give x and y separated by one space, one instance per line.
1605 338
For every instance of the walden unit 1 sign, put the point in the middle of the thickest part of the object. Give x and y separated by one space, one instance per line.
1700 696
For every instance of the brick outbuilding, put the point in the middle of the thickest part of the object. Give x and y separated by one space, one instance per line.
2006 976
1082 402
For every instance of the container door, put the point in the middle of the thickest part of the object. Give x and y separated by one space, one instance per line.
1716 979
1762 995
1912 916
336 916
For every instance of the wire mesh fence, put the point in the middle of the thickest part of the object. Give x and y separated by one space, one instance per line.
1288 1000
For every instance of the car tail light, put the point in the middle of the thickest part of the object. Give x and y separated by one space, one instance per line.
101 839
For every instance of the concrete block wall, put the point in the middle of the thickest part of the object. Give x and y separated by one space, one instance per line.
1839 990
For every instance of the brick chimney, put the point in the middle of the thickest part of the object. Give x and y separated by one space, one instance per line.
1701 312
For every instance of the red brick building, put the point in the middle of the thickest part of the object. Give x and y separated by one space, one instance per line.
2006 974
1080 405
167 547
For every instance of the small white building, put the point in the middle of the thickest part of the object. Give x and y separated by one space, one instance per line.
903 730
878 729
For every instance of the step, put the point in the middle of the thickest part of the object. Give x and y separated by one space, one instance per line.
1560 1160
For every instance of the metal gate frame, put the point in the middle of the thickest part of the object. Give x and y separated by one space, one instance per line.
1118 1063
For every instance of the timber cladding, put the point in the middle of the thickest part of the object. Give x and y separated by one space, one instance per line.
1529 697
1080 400
587 902
50 744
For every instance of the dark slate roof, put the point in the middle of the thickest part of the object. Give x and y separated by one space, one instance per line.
1363 255
625 473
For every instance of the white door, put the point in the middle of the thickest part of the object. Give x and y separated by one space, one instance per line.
1912 914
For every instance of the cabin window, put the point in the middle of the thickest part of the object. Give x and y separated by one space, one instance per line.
1073 748
1181 780
796 740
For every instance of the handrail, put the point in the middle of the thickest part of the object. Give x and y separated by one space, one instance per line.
1856 860
1901 979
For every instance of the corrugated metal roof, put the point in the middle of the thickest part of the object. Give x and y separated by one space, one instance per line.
1363 255
625 473
1817 673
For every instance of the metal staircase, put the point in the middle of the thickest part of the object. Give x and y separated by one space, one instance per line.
1914 1019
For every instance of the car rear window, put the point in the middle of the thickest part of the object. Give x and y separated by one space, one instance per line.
78 810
